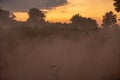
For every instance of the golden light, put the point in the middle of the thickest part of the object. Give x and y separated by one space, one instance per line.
21 16
87 8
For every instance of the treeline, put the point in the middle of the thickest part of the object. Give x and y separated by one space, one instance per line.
37 19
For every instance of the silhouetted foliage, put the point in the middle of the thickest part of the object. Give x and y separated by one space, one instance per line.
109 20
35 15
83 22
6 15
117 5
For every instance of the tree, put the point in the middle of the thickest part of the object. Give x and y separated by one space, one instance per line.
91 23
6 15
117 5
83 22
109 20
35 15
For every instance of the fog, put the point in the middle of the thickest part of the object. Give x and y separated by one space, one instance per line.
59 54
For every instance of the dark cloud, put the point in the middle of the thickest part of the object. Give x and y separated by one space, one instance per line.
24 5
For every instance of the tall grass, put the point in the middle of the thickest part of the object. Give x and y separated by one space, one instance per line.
27 53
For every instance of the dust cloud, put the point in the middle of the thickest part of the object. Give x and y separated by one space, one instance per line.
50 54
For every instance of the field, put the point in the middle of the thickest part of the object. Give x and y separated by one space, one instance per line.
57 53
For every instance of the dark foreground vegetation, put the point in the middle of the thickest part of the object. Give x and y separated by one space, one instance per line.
59 53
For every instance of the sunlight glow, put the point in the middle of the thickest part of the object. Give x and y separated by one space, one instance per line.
21 16
87 8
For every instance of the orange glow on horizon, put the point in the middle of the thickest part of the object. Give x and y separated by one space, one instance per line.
21 16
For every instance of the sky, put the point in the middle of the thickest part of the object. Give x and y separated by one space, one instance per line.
61 10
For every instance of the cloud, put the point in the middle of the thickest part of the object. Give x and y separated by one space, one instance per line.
24 5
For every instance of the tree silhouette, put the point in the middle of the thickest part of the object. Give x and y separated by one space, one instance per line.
35 15
109 20
117 5
77 20
6 15
83 22
91 22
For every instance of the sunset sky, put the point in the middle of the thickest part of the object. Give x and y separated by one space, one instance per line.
87 8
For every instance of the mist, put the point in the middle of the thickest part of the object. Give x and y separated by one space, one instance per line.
59 54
